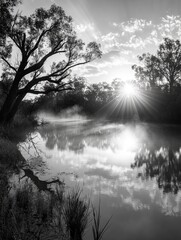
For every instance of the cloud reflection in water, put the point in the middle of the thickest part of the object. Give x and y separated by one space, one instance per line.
102 154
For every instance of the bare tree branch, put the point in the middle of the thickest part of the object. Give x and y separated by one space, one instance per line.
38 41
13 38
13 68
35 81
72 66
23 42
49 90
39 64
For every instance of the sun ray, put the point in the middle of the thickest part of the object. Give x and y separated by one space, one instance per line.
129 102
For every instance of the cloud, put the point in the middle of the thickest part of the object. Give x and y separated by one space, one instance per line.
125 42
133 25
139 33
91 70
101 172
170 26
136 204
103 72
111 59
87 31
109 42
107 56
129 35
137 42
84 27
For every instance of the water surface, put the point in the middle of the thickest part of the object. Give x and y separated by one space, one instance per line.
134 169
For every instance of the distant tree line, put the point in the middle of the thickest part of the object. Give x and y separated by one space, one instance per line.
105 100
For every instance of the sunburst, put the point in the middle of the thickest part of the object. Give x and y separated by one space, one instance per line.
129 91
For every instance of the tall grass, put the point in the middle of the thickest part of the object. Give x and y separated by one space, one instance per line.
25 215
97 230
29 215
76 215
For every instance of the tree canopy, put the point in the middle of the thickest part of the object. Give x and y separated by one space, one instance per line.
6 9
162 69
49 50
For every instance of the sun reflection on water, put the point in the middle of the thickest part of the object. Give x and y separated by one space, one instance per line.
126 140
101 155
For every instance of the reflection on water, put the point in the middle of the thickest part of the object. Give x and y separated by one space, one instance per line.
164 165
135 170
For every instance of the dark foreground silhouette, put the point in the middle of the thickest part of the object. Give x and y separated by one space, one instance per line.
40 184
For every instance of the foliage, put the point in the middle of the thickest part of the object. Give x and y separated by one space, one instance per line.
44 35
89 97
149 75
163 69
6 9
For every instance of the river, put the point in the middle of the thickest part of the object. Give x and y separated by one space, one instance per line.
133 170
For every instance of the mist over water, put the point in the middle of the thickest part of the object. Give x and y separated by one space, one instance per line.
65 116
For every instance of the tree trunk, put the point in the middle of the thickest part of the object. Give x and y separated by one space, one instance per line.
10 100
171 85
14 108
6 109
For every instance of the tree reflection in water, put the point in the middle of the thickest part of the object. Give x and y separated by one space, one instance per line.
163 164
77 136
32 208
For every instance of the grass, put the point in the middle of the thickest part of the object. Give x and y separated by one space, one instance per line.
97 230
30 215
27 215
76 215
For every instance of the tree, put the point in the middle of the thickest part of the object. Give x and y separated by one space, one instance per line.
148 75
41 37
164 68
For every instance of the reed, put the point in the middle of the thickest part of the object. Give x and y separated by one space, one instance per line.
32 215
76 215
97 230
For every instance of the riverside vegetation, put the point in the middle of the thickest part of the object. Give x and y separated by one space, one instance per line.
29 210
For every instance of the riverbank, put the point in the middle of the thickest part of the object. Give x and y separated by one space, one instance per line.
27 210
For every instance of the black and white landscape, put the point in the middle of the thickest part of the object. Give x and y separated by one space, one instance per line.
90 114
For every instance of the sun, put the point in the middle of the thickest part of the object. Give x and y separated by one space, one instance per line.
129 90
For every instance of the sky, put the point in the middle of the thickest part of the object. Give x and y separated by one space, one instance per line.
124 28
